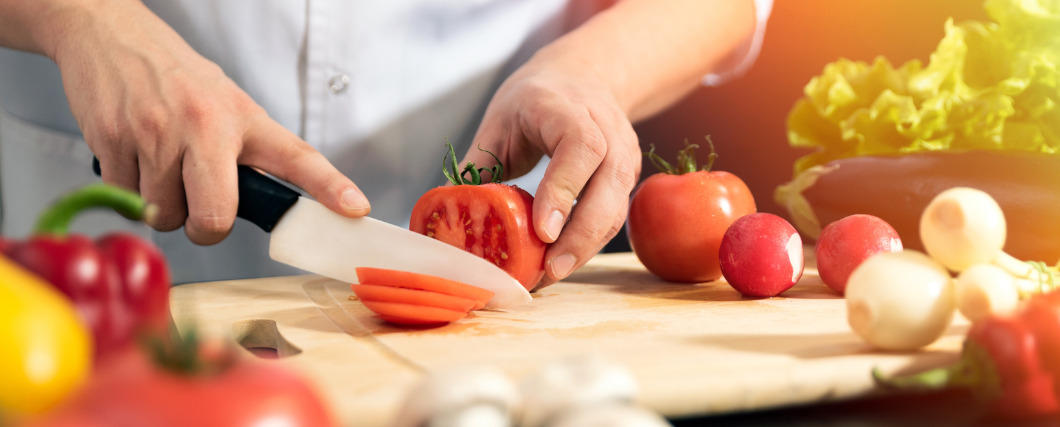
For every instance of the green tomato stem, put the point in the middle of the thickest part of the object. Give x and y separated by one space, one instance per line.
57 218
451 169
686 159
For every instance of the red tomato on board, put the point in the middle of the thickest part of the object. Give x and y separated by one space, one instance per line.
493 221
676 221
235 390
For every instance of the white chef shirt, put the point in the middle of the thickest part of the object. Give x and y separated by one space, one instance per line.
374 85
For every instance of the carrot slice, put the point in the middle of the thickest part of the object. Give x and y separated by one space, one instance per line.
426 282
413 314
412 296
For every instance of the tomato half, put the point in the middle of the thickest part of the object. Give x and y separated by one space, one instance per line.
493 221
676 222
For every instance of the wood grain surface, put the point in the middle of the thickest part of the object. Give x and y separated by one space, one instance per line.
694 350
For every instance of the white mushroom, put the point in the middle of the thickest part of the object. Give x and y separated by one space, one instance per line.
573 384
610 415
465 396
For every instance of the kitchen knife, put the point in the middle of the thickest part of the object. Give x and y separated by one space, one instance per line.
309 236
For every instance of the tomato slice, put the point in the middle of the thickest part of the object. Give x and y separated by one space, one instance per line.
424 282
412 314
385 293
493 221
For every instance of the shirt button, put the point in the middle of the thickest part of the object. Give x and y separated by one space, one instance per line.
338 83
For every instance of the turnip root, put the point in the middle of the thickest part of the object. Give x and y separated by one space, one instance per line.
900 300
985 289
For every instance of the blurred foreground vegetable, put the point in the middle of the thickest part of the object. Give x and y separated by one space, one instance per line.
119 283
45 350
1011 362
184 384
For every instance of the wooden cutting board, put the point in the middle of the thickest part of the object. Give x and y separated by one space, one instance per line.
693 349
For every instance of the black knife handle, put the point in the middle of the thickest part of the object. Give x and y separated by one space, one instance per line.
262 200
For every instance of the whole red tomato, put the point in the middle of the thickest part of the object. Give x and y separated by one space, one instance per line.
677 217
215 387
491 220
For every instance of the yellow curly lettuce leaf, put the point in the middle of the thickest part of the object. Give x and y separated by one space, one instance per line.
990 85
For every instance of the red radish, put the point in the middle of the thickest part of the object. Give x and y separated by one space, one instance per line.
761 255
846 243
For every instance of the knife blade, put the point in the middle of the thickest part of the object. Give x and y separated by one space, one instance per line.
306 235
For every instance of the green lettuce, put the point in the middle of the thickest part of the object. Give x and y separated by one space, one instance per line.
988 85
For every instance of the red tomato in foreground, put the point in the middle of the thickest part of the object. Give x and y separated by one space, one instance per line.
129 390
493 221
676 222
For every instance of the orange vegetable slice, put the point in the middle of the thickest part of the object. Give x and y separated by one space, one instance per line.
383 293
411 314
424 282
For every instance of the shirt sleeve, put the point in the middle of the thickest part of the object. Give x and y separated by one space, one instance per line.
744 55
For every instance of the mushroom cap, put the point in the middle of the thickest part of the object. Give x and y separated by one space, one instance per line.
482 395
573 382
610 415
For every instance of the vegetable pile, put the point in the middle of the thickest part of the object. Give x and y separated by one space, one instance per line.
119 283
71 295
983 113
906 300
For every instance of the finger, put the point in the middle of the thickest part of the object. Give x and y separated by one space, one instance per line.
162 185
578 147
209 175
274 149
601 210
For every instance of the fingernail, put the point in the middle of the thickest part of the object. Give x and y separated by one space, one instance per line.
562 265
354 202
554 225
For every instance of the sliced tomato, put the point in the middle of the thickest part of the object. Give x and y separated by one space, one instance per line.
426 282
411 314
493 221
385 293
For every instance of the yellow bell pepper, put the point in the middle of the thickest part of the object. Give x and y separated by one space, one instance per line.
45 348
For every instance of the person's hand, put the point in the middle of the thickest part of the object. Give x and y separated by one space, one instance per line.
546 108
576 98
168 123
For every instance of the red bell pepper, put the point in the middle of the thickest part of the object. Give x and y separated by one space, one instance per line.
1004 362
119 283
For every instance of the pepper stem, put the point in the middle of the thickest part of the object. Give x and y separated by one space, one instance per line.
973 371
57 218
